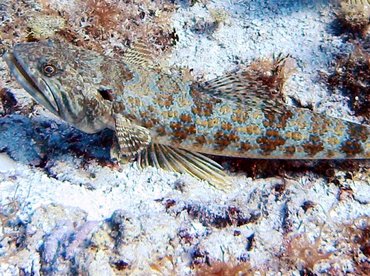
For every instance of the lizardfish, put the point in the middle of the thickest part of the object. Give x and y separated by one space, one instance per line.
168 122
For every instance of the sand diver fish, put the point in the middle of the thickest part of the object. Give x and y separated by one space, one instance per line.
170 123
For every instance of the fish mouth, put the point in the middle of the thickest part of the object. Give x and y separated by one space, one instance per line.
38 88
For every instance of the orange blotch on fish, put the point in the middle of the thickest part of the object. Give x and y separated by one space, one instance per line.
126 75
248 129
186 118
333 141
280 120
130 100
149 123
203 106
301 124
245 146
195 110
170 114
151 108
241 129
161 131
200 140
233 137
138 102
237 119
319 128
203 123
175 125
208 110
297 136
173 114
272 132
191 129
213 122
134 102
313 146
164 114
270 142
222 140
290 150
253 129
330 153
358 132
300 120
351 148
144 114
164 100
179 133
239 116
226 126
284 118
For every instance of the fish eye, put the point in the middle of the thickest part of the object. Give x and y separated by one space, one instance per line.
49 70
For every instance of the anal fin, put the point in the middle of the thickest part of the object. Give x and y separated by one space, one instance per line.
183 161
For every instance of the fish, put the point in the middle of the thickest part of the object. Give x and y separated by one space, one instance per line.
162 120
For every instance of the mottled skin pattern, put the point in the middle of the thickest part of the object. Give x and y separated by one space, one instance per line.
88 89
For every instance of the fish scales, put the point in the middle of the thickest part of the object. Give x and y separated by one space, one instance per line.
179 115
145 106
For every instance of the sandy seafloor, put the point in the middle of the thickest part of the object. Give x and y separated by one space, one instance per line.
74 214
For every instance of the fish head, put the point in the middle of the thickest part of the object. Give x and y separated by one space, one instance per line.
65 79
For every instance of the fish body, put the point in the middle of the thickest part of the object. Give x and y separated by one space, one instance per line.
181 115
147 106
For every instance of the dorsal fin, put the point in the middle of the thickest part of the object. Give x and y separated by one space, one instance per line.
140 55
236 86
183 161
245 89
262 82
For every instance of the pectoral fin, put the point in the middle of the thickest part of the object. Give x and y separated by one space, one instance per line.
183 161
131 138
